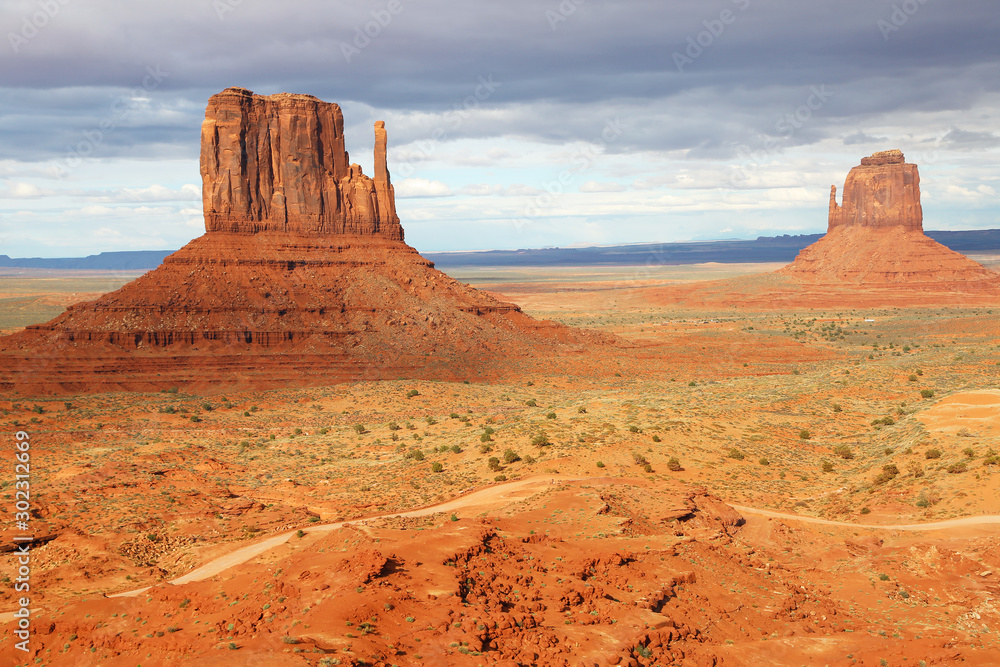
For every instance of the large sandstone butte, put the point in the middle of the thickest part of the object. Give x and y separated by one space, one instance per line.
302 277
876 237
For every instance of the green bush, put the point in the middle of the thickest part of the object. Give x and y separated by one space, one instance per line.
531 403
932 453
494 463
826 466
674 464
359 429
736 454
437 466
510 456
844 452
960 466
541 440
412 393
764 461
600 464
804 434
656 438
927 393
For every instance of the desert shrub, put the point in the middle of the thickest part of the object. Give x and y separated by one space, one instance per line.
359 429
837 407
969 452
195 418
493 464
168 410
417 455
633 429
453 415
529 459
437 466
393 426
551 415
485 448
207 407
927 393
430 420
866 510
991 460
912 378
932 453
890 469
915 469
600 464
412 393
639 459
692 383
531 403
298 431
510 456
888 421
889 472
965 433
959 466
456 449
674 464
500 478
844 452
656 438
581 410
826 466
804 434
736 454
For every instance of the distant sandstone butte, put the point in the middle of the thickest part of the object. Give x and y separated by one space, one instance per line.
875 237
884 191
278 163
302 277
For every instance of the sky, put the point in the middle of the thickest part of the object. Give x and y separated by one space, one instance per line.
513 124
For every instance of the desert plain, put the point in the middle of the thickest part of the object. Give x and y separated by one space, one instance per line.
738 483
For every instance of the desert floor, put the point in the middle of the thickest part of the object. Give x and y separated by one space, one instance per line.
549 518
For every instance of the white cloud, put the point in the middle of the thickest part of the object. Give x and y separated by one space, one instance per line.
421 187
609 186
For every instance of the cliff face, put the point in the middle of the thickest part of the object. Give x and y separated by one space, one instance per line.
883 191
278 163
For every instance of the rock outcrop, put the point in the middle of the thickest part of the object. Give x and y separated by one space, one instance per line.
875 237
278 163
302 277
883 191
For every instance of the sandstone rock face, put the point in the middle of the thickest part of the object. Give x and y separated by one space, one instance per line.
278 163
876 238
302 277
884 191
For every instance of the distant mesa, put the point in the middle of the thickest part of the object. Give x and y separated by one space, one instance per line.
302 277
875 237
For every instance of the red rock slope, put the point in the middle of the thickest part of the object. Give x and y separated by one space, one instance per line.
302 277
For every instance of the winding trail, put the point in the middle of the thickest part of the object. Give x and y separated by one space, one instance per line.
501 496
934 525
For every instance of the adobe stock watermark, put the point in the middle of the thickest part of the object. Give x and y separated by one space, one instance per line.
452 120
697 44
22 542
32 24
900 16
363 35
562 12
583 160
785 127
121 108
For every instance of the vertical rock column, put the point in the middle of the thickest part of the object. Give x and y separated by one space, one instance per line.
883 191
